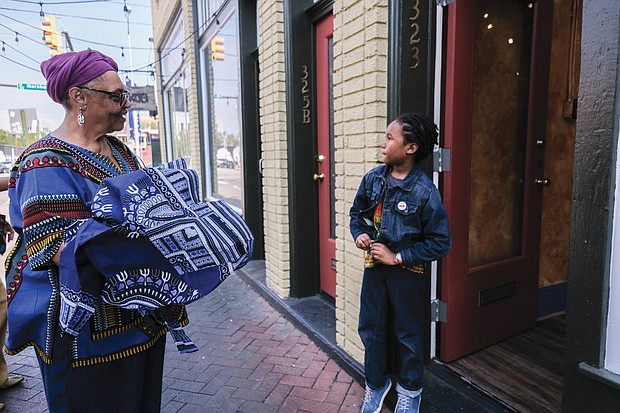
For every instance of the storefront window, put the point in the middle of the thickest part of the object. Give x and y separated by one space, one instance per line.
176 81
207 11
178 119
221 60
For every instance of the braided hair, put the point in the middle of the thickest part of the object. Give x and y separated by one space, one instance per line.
419 129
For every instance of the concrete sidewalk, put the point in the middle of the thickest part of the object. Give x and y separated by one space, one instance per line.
251 358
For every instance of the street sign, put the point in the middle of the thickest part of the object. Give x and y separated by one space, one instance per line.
142 97
31 86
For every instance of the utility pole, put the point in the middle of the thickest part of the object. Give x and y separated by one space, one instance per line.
134 124
67 40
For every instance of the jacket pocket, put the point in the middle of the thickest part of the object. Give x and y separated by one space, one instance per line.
407 222
406 208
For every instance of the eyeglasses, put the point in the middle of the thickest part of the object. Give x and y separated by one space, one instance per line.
120 97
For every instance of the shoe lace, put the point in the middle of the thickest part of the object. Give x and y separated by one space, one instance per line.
403 403
368 395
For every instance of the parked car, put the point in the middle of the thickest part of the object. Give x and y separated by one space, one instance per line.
5 167
225 163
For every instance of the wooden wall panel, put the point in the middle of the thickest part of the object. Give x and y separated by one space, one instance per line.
560 145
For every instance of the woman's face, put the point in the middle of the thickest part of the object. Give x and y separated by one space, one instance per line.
107 103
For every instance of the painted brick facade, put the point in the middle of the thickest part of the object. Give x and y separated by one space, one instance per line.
272 95
360 106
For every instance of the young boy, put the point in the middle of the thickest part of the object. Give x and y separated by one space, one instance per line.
397 217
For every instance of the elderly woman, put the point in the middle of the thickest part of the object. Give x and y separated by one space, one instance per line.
116 361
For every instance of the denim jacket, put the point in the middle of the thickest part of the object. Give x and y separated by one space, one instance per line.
414 221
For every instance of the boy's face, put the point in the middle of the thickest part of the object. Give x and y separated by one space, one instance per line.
394 150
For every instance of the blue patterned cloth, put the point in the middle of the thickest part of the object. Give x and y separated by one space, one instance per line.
51 190
150 244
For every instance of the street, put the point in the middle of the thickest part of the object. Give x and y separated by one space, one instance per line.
229 186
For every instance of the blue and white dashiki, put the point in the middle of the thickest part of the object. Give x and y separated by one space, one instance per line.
51 189
150 244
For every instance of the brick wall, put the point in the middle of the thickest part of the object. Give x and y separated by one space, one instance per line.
272 98
360 106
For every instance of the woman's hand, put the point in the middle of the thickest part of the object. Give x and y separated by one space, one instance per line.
8 232
381 253
56 257
363 241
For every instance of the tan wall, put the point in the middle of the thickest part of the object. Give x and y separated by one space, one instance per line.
272 101
360 106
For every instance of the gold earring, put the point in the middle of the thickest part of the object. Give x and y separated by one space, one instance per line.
80 117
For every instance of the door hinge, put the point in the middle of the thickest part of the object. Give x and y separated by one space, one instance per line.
439 311
441 160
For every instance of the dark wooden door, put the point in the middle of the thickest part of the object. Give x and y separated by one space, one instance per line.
497 67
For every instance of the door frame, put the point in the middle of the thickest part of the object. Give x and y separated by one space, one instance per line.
416 90
250 125
299 19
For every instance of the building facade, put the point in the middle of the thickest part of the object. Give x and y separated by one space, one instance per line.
281 106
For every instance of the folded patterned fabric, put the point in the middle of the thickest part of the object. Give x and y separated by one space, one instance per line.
150 244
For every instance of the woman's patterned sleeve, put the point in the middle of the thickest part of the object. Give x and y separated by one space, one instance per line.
50 201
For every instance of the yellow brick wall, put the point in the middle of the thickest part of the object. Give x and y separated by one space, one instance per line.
272 102
360 106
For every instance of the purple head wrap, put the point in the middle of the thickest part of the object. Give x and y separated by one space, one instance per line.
71 69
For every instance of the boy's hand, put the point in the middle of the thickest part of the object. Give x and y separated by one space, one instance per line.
383 254
363 241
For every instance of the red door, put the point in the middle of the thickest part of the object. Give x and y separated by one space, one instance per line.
325 149
497 67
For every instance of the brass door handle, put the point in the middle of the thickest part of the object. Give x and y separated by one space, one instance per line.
542 182
320 158
319 177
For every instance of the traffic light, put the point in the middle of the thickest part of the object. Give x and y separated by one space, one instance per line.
49 26
217 48
51 37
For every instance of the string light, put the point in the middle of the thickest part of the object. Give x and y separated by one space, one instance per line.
41 13
16 38
3 49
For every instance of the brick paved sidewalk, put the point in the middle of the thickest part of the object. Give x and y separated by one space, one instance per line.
251 359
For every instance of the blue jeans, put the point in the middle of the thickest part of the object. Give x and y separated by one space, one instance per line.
386 287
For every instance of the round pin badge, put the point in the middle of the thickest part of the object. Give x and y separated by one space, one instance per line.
402 205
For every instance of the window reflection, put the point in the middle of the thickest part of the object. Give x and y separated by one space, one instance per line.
225 113
179 119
